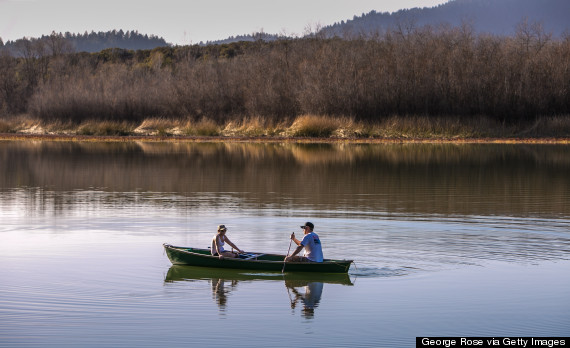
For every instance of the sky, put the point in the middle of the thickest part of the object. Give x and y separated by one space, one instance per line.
185 22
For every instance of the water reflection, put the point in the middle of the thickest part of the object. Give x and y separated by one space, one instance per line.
303 289
307 293
220 291
507 180
422 217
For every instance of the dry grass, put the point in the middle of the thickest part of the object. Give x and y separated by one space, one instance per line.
315 126
105 128
203 127
160 126
556 126
6 127
20 124
424 127
308 126
436 127
59 127
254 127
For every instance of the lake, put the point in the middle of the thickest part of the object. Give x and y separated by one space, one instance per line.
448 240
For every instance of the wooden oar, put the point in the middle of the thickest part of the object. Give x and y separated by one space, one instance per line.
288 251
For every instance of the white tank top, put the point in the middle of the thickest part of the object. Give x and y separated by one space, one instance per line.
220 245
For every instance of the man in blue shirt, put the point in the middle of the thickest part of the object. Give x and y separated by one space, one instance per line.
311 243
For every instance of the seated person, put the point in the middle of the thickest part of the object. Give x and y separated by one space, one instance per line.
218 242
311 243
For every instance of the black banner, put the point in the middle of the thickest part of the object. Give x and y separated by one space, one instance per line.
524 342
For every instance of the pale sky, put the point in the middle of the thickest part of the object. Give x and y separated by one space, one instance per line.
184 22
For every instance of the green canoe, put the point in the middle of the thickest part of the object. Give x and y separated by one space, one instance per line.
251 261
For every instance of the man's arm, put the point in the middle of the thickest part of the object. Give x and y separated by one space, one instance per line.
298 242
298 250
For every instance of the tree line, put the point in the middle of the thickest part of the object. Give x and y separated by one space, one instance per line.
428 71
88 42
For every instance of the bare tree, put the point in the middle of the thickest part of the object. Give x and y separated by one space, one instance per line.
531 36
58 44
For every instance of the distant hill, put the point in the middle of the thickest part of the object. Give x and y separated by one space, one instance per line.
90 42
248 37
499 17
131 40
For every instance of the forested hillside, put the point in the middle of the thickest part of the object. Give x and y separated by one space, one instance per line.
87 42
499 17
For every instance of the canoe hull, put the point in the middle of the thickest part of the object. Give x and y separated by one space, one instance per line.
267 262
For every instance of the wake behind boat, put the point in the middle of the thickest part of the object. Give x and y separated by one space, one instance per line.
251 261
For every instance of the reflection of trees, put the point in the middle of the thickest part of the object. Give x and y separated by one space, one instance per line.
454 179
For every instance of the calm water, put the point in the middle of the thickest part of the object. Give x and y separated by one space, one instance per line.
448 240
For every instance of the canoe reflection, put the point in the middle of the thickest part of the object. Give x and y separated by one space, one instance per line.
302 288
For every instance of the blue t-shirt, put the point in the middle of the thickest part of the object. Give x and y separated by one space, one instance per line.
313 249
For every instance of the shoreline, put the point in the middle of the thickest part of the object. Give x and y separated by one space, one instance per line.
276 139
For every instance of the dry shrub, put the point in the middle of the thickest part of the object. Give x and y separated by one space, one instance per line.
315 126
108 128
204 127
160 126
349 128
435 127
111 92
253 127
556 126
6 127
59 126
21 123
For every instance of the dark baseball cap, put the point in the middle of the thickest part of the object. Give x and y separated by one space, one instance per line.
310 224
